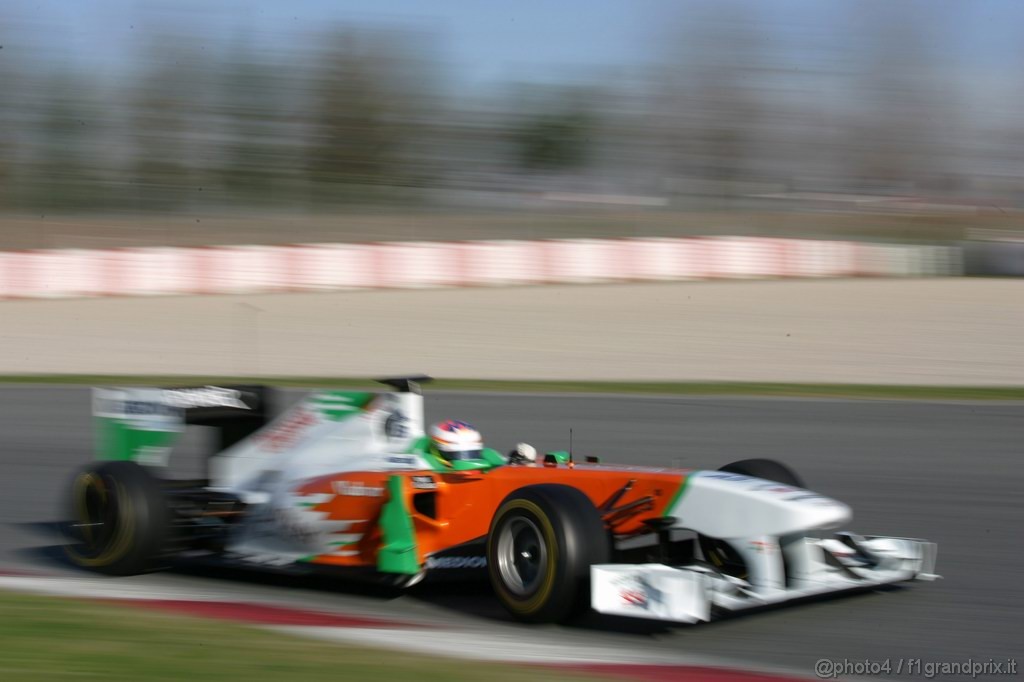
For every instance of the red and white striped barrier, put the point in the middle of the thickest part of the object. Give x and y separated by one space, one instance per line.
246 269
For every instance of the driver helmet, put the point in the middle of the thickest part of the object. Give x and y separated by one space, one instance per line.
454 440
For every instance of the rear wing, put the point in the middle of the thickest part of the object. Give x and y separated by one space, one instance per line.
142 424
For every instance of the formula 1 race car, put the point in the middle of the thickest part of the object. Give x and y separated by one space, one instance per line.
346 482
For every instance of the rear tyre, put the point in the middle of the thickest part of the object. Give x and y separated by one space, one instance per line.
542 541
720 553
120 519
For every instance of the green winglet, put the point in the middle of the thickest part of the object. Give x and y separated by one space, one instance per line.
492 457
561 456
470 465
398 553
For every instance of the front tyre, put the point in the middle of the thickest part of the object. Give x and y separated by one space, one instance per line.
120 519
542 541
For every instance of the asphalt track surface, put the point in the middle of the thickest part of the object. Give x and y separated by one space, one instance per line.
949 472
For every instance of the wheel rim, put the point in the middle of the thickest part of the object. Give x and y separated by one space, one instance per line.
522 556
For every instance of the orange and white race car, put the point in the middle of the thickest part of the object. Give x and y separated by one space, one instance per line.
351 484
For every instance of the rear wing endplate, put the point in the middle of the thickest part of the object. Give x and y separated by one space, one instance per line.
142 424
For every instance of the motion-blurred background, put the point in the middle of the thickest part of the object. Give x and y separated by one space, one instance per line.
127 123
370 178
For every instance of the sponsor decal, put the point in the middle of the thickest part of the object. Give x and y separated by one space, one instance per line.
457 562
153 455
633 597
762 547
725 476
793 494
754 483
357 489
289 431
402 461
814 498
142 408
424 483
396 425
107 407
636 591
781 489
206 396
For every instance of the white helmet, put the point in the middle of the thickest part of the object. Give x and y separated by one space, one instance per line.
524 454
453 439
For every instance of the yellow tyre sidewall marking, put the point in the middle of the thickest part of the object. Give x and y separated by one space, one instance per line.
83 482
121 542
548 531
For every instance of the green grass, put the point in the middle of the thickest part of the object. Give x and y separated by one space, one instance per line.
46 638
865 391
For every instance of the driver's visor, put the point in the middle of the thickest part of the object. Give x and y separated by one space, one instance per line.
461 454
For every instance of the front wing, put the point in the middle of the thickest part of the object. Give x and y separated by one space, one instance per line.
812 567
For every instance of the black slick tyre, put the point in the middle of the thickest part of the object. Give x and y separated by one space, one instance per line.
120 519
542 541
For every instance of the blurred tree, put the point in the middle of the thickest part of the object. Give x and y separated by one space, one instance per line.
551 128
554 141
708 97
258 159
903 102
369 95
66 172
8 127
171 124
829 100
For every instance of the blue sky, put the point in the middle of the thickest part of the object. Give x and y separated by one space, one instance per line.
481 41
489 40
